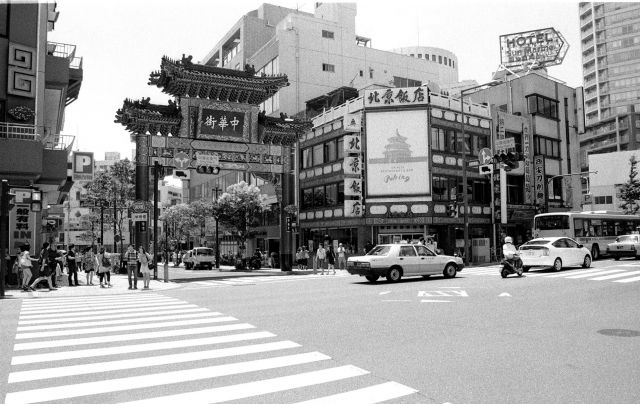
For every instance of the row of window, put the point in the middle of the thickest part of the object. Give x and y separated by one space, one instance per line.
450 140
403 82
448 188
539 105
624 30
323 153
623 43
624 83
633 54
546 147
626 95
614 19
603 200
323 196
447 61
272 103
602 227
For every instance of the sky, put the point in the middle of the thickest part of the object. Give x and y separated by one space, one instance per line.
122 42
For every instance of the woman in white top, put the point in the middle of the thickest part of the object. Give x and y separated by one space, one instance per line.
24 260
144 259
104 261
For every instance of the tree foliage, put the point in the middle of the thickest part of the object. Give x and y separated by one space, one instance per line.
630 191
239 209
179 220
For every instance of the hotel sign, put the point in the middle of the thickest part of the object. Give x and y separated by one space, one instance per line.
543 47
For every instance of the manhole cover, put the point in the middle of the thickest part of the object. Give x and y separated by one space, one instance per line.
617 332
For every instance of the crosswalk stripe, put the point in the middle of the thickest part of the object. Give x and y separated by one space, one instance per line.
128 337
128 327
637 278
569 273
594 273
98 313
99 367
622 275
158 379
100 306
370 395
260 387
89 299
142 318
149 347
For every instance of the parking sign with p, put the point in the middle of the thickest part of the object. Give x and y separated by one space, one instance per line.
83 166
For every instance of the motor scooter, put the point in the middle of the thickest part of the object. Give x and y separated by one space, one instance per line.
513 266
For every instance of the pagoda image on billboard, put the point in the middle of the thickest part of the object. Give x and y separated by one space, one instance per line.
397 149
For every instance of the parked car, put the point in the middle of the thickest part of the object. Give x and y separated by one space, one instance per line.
394 261
554 252
625 246
199 258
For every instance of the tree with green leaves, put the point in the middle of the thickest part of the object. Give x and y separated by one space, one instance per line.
630 190
239 209
179 220
200 211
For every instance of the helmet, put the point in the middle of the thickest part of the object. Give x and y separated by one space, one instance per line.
508 240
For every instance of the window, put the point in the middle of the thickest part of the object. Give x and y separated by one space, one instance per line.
603 200
552 222
445 60
330 154
323 195
419 55
331 194
307 198
307 158
326 67
554 189
453 64
404 82
439 59
341 193
515 189
361 73
444 188
318 196
370 73
412 55
407 251
546 147
450 136
433 58
543 106
318 154
426 56
340 147
327 34
437 139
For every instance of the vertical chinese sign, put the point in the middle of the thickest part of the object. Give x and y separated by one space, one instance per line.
526 151
22 221
352 167
540 179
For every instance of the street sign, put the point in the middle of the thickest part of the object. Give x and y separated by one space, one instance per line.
207 159
139 217
181 160
542 47
486 169
139 206
485 156
506 143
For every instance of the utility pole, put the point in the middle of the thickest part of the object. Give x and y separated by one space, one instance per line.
216 190
4 232
156 169
115 217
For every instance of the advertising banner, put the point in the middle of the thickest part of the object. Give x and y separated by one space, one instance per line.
82 166
540 180
526 152
352 122
22 221
397 153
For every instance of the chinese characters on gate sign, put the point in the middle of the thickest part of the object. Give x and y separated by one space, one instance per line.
225 123
412 95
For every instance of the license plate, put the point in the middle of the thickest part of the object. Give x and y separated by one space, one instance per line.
529 253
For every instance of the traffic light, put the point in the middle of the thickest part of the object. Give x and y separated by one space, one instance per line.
452 210
289 226
143 226
208 170
36 201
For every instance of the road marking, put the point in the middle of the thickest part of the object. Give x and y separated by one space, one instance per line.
637 278
373 394
151 347
610 271
504 294
622 275
161 379
569 273
450 287
93 308
90 299
98 367
106 312
260 387
434 301
128 337
385 293
448 293
390 300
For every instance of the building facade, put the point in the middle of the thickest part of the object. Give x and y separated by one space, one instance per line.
609 172
38 80
320 52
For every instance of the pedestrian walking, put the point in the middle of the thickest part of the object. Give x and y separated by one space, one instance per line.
299 258
89 263
132 267
26 263
103 263
321 256
342 257
144 258
331 260
72 266
46 270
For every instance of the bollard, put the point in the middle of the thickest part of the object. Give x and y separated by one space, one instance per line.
166 271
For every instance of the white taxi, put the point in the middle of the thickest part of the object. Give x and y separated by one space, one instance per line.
625 246
554 252
394 261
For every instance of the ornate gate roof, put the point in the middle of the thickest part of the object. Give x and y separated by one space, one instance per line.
140 117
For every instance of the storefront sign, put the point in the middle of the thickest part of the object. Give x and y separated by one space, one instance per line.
501 131
528 192
398 153
82 166
352 122
214 122
396 96
352 144
353 208
544 47
352 187
540 180
22 221
352 165
139 217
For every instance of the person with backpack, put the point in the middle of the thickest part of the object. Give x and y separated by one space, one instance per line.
103 263
47 256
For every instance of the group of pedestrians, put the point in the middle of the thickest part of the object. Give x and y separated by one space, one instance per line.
48 266
323 257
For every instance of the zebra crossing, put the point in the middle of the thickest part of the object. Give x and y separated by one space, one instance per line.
624 273
260 279
155 349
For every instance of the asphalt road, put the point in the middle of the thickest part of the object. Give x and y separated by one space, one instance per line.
568 337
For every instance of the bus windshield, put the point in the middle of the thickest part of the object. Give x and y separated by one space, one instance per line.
553 222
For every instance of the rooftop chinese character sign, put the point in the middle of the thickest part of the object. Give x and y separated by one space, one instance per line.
544 47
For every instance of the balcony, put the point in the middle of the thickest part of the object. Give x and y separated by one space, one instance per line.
19 132
64 69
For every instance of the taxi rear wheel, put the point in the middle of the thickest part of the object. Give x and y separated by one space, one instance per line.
394 274
450 271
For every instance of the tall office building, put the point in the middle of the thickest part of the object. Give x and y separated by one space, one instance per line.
610 34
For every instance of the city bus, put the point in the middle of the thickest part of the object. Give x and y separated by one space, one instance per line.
594 229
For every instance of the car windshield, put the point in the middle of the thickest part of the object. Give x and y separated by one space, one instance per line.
204 251
380 250
536 242
627 239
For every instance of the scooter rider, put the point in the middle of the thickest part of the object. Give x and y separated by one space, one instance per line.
510 253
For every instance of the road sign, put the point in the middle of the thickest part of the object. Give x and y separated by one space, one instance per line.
207 159
486 169
139 206
485 156
139 217
506 143
542 47
181 160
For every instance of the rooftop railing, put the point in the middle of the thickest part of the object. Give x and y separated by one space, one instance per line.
19 131
61 50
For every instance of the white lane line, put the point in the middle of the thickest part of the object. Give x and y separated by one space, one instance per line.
385 292
260 387
637 278
102 306
141 319
111 316
89 299
373 394
128 327
604 278
594 274
434 301
159 379
98 313
396 300
574 272
98 367
128 337
450 287
150 347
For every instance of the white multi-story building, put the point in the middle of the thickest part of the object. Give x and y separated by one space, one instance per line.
320 52
612 171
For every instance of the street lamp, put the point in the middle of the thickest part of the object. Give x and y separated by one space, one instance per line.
493 83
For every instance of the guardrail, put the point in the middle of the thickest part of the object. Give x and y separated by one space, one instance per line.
19 131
